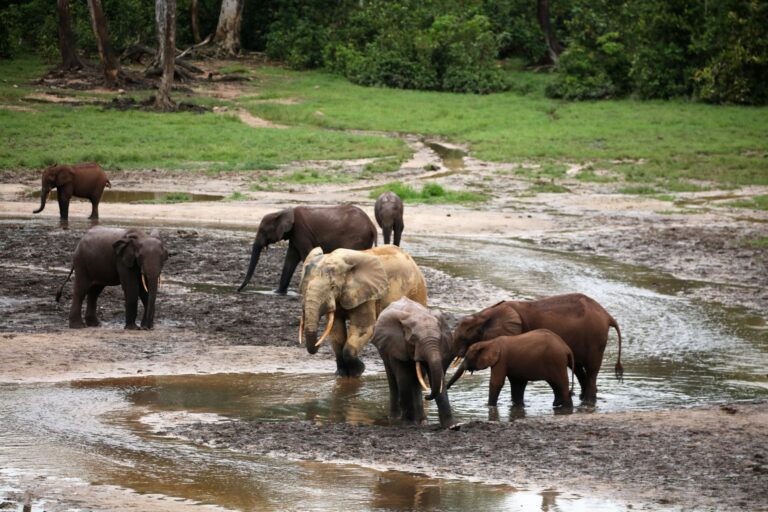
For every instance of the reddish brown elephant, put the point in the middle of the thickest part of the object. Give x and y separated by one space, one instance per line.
86 180
534 355
579 320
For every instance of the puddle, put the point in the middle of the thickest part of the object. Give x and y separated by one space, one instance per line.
138 196
453 158
702 200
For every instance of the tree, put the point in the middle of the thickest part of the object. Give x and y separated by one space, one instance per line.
195 24
165 16
107 56
227 37
69 57
554 48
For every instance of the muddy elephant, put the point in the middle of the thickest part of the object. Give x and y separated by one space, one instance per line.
305 228
353 287
112 256
579 320
388 211
410 337
86 180
535 355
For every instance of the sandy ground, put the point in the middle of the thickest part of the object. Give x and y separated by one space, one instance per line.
706 459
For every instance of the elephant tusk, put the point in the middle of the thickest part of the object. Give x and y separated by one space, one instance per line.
144 283
421 377
457 361
301 330
328 328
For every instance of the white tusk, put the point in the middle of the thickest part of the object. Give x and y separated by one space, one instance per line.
421 377
144 283
301 330
456 362
328 328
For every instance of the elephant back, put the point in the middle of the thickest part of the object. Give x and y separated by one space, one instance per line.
403 275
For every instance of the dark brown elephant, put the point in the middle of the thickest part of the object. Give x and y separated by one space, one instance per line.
579 320
535 355
111 256
86 180
388 211
408 335
307 227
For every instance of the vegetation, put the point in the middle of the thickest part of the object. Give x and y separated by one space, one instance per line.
756 203
430 193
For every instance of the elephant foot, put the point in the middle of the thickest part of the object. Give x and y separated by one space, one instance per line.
281 292
349 368
76 324
131 327
92 322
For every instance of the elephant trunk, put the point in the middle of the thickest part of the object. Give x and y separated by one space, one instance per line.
43 196
436 378
311 317
151 284
458 373
255 253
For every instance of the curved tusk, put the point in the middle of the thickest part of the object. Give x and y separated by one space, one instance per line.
421 377
328 328
144 283
456 362
301 330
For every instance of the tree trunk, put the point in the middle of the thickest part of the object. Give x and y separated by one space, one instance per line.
69 58
195 25
554 48
107 56
227 37
165 16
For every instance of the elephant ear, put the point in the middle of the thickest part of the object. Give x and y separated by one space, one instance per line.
64 175
284 223
511 323
488 355
314 257
126 249
363 277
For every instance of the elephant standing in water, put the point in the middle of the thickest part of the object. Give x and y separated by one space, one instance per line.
85 180
534 355
408 335
579 320
112 256
388 211
305 228
353 286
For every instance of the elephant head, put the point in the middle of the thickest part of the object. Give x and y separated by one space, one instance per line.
272 228
345 279
479 356
145 255
53 177
501 319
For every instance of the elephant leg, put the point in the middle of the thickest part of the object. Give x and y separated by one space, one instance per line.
360 332
589 394
94 209
338 341
131 291
289 266
581 376
79 290
410 395
395 412
398 232
63 204
494 387
387 233
559 385
518 391
91 320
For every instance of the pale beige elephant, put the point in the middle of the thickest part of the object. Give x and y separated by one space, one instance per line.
352 288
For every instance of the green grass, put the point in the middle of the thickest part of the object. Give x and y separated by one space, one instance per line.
760 242
590 176
756 203
430 193
552 188
236 196
643 190
315 176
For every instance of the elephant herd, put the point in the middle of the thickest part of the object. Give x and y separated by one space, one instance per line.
368 293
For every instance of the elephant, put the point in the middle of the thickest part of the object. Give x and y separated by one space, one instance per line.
85 180
579 320
535 355
112 256
345 226
353 286
388 211
408 335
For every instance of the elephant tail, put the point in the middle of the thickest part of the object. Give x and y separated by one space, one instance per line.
572 365
61 288
619 370
109 184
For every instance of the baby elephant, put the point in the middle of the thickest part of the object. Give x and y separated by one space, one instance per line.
85 180
534 355
389 215
112 256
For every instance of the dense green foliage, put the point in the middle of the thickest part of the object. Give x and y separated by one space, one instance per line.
429 193
713 51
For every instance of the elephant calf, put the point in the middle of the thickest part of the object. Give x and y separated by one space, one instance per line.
534 355
86 180
388 211
408 335
111 256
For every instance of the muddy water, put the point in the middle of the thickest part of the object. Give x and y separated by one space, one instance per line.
676 353
140 196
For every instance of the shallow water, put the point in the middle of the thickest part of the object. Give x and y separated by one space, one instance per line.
141 196
676 353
